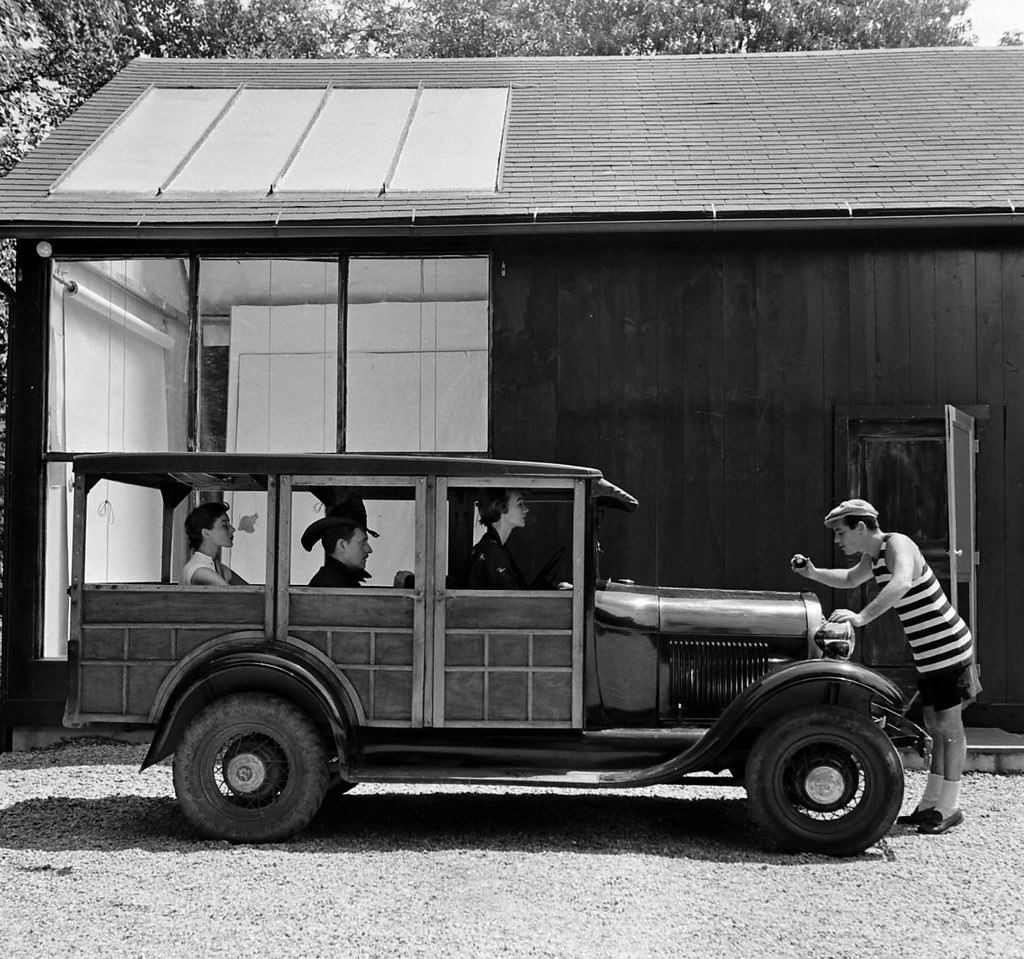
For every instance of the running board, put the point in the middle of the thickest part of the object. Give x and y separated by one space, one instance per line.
572 779
679 740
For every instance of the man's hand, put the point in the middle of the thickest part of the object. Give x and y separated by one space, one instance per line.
847 616
802 565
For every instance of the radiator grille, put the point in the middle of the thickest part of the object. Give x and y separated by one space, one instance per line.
708 674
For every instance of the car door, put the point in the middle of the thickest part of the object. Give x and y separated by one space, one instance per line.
374 635
509 657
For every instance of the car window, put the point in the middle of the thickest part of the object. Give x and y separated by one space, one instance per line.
537 534
390 512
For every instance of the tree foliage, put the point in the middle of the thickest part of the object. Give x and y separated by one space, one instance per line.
254 28
478 28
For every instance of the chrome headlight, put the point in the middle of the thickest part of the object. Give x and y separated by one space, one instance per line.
836 640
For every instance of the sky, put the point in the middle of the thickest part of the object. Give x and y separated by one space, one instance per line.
992 18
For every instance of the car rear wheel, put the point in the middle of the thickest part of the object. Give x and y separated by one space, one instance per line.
250 768
825 780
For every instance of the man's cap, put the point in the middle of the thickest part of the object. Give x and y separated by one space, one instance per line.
351 512
851 507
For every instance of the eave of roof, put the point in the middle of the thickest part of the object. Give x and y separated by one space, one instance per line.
825 139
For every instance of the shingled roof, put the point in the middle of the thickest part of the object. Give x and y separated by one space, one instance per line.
834 134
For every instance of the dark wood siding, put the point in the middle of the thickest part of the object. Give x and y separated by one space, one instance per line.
703 375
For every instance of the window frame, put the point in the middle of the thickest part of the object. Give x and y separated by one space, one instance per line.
193 255
343 338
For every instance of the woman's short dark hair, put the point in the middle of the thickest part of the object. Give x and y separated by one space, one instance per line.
869 521
491 503
202 517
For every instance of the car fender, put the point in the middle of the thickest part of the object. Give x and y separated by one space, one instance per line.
782 691
795 685
247 662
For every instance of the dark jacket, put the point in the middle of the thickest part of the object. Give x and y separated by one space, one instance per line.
335 573
491 565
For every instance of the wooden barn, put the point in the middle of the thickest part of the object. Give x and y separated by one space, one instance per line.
744 287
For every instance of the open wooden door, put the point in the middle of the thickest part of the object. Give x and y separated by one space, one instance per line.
961 447
917 466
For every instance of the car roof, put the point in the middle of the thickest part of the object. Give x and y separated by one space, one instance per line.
153 469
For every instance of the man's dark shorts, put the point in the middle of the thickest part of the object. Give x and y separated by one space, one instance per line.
947 688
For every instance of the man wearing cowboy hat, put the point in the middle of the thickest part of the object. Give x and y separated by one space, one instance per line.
939 640
343 533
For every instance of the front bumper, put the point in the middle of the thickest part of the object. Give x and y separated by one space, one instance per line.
901 730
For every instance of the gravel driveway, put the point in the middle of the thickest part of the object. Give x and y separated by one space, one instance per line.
96 861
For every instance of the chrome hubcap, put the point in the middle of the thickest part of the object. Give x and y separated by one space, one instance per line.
824 785
245 773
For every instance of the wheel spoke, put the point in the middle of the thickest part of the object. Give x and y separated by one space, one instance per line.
251 771
817 763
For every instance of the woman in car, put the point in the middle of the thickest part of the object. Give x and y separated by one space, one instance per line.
209 531
491 565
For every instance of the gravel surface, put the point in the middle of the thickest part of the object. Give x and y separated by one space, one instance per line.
97 861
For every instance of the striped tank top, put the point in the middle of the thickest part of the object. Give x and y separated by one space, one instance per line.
938 636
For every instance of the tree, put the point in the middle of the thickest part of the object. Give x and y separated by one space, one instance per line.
255 28
53 54
442 28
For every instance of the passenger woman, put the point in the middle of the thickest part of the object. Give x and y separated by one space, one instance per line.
491 565
209 531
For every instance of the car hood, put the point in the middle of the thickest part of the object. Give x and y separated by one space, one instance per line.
676 610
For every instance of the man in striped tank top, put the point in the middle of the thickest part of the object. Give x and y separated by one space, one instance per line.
939 640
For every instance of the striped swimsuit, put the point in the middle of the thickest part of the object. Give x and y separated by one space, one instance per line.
938 637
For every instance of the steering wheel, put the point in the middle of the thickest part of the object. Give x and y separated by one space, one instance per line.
540 581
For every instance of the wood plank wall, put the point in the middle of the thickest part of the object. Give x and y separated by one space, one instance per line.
702 375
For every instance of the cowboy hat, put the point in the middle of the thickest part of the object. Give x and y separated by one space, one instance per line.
352 512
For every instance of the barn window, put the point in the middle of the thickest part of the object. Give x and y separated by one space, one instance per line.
417 355
262 361
116 383
268 355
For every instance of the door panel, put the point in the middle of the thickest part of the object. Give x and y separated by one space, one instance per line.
509 657
917 468
374 634
963 557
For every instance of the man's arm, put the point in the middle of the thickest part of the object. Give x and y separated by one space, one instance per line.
835 578
900 553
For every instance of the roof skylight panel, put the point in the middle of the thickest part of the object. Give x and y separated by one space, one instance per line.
197 142
146 144
251 144
454 141
351 144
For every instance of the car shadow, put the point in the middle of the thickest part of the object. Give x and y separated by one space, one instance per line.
77 752
717 830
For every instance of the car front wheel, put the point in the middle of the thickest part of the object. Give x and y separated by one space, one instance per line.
825 779
250 768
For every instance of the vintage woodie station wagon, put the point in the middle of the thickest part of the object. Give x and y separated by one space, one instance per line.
270 694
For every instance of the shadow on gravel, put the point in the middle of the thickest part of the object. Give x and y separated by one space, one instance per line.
79 752
717 830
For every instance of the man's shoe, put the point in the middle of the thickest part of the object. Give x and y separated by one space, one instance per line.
936 824
917 818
